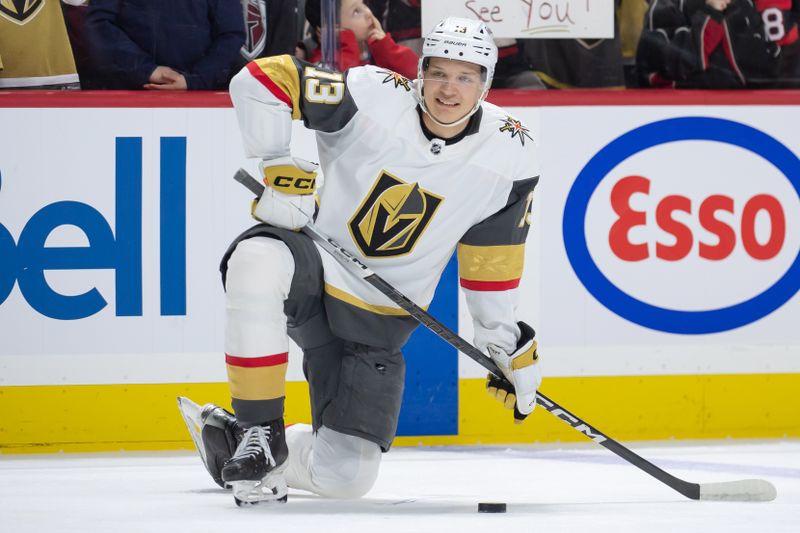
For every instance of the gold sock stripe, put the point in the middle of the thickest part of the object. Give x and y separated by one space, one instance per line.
257 383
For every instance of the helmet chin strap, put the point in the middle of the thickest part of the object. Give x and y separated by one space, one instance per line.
450 124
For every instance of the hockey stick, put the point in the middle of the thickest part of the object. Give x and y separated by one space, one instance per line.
742 490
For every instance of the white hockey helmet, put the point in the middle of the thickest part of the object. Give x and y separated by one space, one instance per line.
463 40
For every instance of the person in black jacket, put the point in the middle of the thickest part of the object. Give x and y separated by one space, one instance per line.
713 44
273 28
157 44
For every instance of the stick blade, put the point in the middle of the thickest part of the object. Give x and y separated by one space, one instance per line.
746 490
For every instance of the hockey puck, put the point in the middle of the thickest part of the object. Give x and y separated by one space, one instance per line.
491 507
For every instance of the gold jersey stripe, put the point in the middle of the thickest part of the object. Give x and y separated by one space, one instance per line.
259 383
282 71
491 263
339 294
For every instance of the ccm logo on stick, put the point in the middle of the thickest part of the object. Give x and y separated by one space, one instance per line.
686 225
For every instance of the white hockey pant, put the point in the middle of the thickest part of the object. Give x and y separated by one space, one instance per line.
258 280
259 276
330 463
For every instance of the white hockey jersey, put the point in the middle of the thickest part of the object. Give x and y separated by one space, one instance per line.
399 199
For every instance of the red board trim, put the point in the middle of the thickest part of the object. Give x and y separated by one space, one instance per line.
501 97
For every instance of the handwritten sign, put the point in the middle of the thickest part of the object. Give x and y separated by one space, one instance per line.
539 19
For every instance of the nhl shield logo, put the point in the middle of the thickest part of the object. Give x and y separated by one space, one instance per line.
392 217
20 11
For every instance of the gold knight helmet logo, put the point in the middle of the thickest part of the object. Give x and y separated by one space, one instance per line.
392 217
20 11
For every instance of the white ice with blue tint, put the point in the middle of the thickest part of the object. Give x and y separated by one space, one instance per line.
547 489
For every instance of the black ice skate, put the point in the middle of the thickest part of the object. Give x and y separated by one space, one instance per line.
255 472
215 434
221 435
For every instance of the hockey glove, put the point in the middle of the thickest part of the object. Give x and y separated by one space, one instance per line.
522 373
288 199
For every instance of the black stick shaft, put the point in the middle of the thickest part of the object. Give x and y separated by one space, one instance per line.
690 490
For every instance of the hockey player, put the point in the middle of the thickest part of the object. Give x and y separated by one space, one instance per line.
413 171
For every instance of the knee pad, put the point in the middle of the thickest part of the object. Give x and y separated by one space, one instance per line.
330 463
260 267
346 465
259 277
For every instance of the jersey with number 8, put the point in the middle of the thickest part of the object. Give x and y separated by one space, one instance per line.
780 20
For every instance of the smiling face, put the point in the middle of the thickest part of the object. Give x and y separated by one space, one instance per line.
451 89
356 17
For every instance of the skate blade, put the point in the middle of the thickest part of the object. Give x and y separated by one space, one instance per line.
192 417
190 412
257 492
271 489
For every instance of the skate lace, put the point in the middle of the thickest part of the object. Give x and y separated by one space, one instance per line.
254 441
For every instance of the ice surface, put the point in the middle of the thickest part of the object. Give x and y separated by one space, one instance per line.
579 488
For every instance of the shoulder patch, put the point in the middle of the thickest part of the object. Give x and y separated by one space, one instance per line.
516 129
397 79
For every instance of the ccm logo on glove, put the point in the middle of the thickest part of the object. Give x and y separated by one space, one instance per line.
290 179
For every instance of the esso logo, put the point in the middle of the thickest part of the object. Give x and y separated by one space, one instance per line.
708 215
688 225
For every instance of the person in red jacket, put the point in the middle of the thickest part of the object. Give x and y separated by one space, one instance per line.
362 40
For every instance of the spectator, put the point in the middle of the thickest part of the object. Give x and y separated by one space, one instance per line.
75 18
359 29
719 44
577 63
159 44
271 29
630 20
781 19
513 70
403 19
583 62
34 48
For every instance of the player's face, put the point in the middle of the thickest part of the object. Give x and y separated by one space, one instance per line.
356 17
452 88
